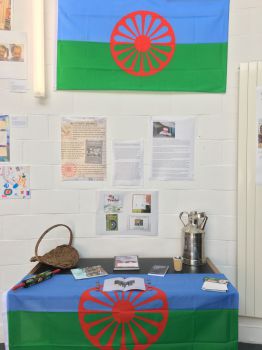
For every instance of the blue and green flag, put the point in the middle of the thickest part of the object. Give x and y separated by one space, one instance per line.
172 314
155 45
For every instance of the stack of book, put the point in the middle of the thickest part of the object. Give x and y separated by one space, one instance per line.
126 262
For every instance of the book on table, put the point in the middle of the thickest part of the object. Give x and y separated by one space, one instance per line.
88 272
158 270
124 284
126 262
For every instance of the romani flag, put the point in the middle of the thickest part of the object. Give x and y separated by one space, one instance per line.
153 45
172 314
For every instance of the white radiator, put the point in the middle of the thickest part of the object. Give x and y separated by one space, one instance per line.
249 195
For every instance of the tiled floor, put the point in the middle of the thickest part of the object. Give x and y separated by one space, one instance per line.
242 346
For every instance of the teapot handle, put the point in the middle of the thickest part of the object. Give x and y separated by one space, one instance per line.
181 217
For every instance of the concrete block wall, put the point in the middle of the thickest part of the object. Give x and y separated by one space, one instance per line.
38 145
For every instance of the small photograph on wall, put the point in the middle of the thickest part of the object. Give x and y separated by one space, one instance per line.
12 52
141 223
164 129
5 14
15 182
4 138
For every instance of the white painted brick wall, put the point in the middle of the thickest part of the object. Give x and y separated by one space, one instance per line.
213 188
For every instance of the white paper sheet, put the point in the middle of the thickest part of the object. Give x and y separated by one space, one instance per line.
128 164
173 142
259 137
13 55
127 213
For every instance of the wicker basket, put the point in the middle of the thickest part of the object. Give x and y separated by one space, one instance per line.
63 256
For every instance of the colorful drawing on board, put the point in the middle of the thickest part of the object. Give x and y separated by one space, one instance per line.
14 182
4 138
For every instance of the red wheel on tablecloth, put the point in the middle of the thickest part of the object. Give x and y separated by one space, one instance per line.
142 43
116 320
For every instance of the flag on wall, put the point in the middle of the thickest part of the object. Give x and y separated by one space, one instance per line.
152 45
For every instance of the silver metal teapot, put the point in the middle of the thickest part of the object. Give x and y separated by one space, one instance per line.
193 231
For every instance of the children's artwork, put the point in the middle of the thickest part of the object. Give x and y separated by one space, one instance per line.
5 14
127 213
4 139
14 182
113 203
13 55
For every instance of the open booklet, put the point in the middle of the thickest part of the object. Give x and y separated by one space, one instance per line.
124 284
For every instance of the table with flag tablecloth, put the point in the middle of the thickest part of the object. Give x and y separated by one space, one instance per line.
173 313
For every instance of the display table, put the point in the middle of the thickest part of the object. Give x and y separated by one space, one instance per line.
172 314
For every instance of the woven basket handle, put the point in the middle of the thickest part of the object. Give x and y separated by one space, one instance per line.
49 229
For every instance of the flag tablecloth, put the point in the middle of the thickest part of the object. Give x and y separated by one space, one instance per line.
173 313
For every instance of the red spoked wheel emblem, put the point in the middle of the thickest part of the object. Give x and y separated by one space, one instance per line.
142 43
123 321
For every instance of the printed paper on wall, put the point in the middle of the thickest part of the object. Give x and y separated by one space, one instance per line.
127 213
173 147
128 165
13 55
83 149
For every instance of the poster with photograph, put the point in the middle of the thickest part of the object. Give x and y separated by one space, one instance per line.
15 182
127 213
5 14
4 138
83 149
173 147
13 55
259 136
